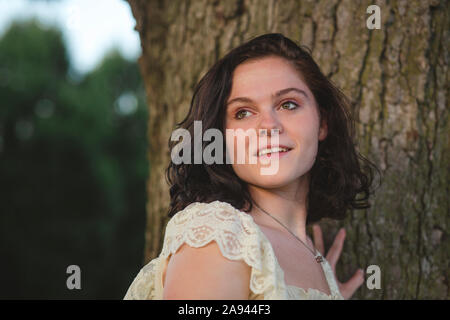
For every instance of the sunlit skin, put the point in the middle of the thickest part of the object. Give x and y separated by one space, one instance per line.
295 115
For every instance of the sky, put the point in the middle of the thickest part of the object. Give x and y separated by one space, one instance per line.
90 27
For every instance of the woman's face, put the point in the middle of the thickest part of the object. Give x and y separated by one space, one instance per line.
294 113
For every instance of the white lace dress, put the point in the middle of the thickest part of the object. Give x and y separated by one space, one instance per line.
239 238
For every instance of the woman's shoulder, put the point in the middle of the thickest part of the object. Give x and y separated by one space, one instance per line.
237 236
200 223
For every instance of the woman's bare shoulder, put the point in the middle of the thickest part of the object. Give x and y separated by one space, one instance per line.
204 273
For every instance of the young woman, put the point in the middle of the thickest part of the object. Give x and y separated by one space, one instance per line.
236 233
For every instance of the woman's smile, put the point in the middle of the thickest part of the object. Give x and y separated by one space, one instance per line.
274 153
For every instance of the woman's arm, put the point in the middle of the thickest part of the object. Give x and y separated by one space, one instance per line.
204 273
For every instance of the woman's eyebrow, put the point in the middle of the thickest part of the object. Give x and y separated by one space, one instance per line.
274 96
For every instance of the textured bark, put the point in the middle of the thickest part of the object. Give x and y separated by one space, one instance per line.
397 79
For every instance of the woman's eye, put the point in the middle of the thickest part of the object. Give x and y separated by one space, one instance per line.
239 114
293 104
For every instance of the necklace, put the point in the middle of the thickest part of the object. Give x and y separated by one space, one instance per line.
316 254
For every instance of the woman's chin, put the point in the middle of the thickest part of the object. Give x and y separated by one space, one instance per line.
277 180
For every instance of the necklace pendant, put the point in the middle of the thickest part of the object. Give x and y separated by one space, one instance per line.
319 259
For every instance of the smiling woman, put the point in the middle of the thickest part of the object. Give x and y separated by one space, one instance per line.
236 233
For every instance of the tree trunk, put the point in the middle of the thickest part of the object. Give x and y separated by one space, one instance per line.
397 79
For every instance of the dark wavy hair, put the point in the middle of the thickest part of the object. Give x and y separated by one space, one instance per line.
336 177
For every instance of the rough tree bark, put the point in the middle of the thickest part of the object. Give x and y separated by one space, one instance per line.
397 79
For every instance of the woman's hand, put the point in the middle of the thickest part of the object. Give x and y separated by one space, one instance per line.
348 288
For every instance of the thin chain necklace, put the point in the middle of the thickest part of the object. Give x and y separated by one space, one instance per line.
316 254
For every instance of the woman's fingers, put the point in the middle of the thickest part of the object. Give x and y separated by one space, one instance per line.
348 288
318 239
336 249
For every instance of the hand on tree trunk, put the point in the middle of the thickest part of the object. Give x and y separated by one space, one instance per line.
348 288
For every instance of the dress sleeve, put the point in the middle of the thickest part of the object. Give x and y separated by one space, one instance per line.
237 237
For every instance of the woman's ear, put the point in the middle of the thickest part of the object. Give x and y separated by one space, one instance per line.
323 130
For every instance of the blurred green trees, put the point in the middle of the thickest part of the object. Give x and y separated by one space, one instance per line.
73 168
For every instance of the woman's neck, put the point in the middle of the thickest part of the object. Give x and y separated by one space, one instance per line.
287 204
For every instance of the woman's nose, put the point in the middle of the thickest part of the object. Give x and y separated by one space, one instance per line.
269 123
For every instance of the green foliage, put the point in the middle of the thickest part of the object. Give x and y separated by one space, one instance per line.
73 169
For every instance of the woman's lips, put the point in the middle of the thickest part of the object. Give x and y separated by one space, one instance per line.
268 147
275 154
